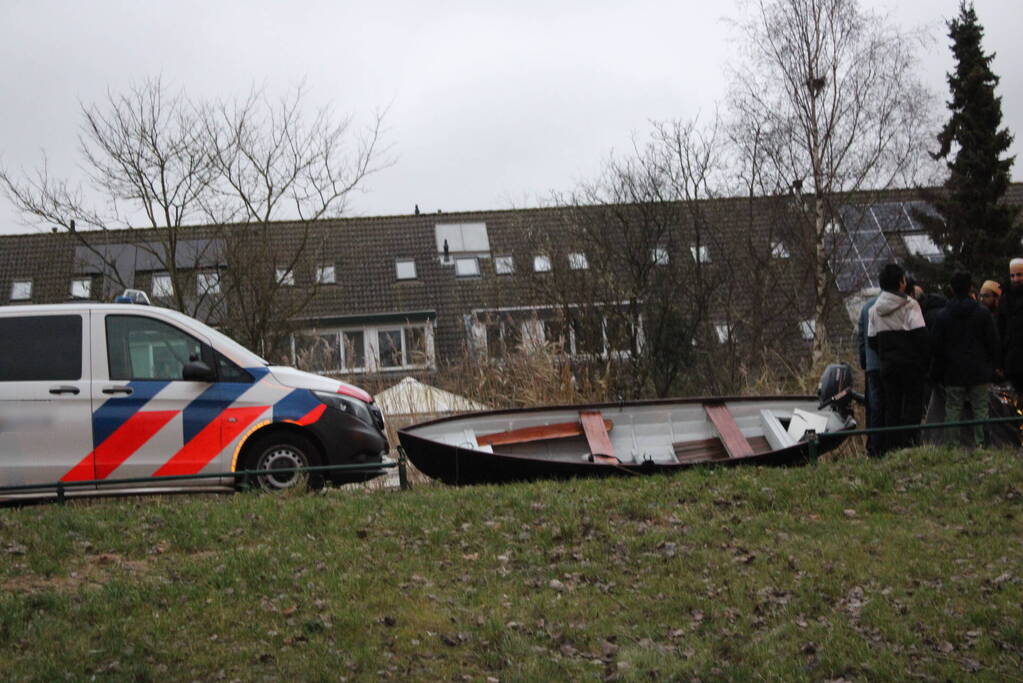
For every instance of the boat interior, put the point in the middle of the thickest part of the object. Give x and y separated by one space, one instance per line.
664 433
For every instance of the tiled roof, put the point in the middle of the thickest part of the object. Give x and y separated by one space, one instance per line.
364 251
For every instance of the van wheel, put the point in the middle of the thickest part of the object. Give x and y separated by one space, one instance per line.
284 452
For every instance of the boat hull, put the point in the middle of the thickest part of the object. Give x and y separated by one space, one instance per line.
459 464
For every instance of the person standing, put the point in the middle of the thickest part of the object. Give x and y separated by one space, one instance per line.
966 354
896 331
871 366
990 292
1010 314
934 391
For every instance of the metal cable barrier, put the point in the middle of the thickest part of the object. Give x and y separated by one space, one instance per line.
814 439
245 477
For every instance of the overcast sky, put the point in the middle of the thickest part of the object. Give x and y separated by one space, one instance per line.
492 105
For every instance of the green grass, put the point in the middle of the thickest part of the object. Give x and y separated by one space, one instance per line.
907 567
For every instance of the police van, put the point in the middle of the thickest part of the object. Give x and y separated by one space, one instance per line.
96 393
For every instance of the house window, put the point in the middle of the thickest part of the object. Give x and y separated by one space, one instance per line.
462 237
467 267
21 290
402 347
659 256
590 332
808 328
405 269
577 261
832 228
163 286
285 277
81 288
542 264
208 283
504 265
317 352
701 254
325 275
723 331
353 349
779 250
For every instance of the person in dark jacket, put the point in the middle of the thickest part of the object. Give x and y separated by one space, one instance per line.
1010 313
896 331
966 354
934 392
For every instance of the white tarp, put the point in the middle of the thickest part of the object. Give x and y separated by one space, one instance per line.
412 397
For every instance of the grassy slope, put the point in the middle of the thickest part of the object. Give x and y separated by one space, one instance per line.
910 566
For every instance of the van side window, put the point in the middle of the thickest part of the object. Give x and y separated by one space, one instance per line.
40 348
144 348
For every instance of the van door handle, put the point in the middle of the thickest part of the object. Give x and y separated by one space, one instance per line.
64 389
117 390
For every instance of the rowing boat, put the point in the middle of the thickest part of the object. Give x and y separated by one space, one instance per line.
635 437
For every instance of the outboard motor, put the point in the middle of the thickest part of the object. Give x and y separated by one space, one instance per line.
836 389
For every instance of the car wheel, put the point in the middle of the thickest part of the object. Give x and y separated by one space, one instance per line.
280 454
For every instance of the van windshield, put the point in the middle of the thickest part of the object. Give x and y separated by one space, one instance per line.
242 355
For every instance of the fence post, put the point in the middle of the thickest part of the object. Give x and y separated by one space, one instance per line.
402 469
60 493
812 444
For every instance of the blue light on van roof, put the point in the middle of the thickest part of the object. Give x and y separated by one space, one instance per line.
132 296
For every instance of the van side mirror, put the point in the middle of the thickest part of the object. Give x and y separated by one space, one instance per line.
197 371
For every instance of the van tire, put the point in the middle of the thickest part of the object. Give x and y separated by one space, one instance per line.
283 450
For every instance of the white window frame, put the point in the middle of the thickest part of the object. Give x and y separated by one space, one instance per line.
462 237
541 263
532 331
577 261
701 255
81 288
723 331
659 256
467 266
207 283
346 365
779 250
326 274
285 277
162 286
504 265
21 290
402 269
371 347
808 328
372 336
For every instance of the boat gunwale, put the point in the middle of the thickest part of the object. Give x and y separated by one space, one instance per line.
615 404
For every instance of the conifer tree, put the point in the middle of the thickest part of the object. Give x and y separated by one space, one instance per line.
978 229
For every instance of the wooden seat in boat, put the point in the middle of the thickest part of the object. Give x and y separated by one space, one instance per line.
732 438
558 430
597 439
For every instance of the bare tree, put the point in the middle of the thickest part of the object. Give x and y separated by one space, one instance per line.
831 91
159 163
645 292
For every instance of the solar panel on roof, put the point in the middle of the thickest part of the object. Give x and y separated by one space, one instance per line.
858 254
922 207
853 217
890 216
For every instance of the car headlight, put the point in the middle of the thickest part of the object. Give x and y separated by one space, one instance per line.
346 404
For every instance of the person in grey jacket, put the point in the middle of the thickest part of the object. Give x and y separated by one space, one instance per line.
871 366
896 330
